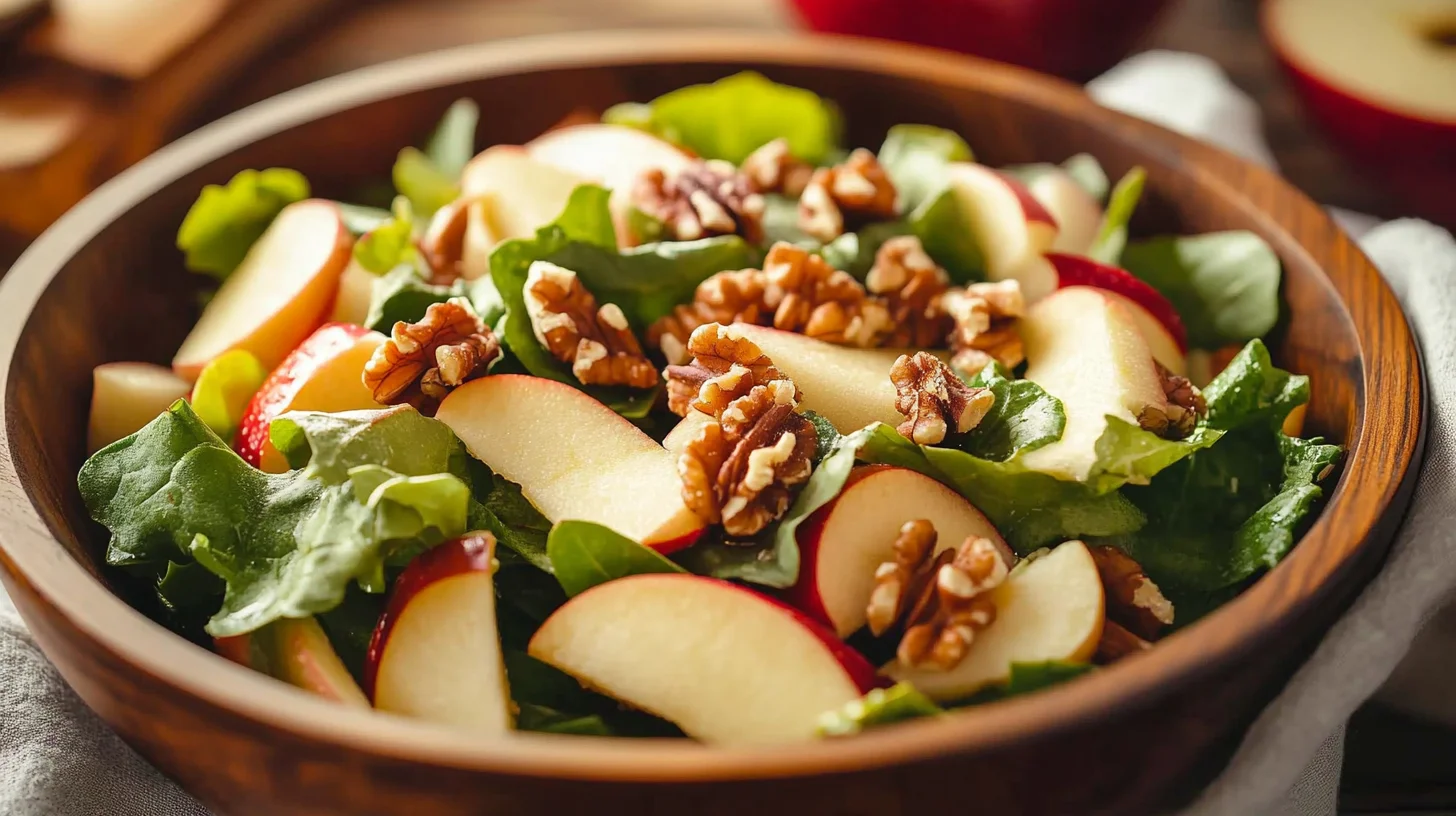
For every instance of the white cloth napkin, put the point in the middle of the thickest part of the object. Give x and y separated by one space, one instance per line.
58 759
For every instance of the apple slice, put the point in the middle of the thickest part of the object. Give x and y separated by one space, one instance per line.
298 652
726 664
685 431
573 457
1050 608
1158 321
526 193
126 396
848 386
610 155
843 542
1009 224
325 373
1083 346
278 295
1077 213
436 654
355 296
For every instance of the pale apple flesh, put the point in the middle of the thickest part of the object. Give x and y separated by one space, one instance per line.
1085 349
725 664
126 396
325 373
1077 213
524 194
298 652
355 296
436 653
573 457
1011 227
844 542
1157 319
1048 609
280 293
610 155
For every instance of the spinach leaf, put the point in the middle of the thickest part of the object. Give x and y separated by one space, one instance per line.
350 627
1225 285
941 227
586 554
226 220
734 116
389 244
916 156
898 703
854 252
452 145
1023 418
403 295
647 281
1112 234
1252 390
499 506
224 389
329 445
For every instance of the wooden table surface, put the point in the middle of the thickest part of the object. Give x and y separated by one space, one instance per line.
1392 764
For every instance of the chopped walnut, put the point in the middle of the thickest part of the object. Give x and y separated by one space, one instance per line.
740 469
773 169
443 245
846 196
809 296
1133 600
942 599
421 362
1117 643
725 366
703 199
984 317
726 297
934 400
910 285
1180 416
596 341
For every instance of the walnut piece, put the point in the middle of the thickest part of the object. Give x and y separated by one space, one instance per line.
773 169
910 285
421 362
740 469
443 245
1185 406
703 199
845 197
984 317
726 297
1133 600
596 341
942 599
725 366
1117 643
933 399
809 296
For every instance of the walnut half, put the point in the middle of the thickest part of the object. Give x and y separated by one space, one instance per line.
985 325
934 400
421 362
596 341
725 366
1133 600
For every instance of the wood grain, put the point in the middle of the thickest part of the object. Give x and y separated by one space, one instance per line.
1140 736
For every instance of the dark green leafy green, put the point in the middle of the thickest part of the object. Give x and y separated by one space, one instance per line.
915 156
545 720
1023 418
350 627
647 281
226 220
499 506
854 252
1225 285
898 703
552 702
942 229
1252 390
586 554
1112 234
452 145
389 244
734 116
404 294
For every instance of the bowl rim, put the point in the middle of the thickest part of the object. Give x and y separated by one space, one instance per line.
33 556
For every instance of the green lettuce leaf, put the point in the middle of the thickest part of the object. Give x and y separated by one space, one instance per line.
452 145
1225 285
854 252
427 187
915 156
586 554
736 115
1252 390
224 389
1024 417
389 244
1029 677
226 220
781 221
327 446
647 281
898 703
403 295
350 628
1112 234
941 228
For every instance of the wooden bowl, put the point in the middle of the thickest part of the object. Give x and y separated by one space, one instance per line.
105 283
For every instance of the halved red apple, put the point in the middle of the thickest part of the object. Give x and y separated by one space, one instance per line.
436 653
325 373
1158 321
724 663
843 542
298 652
278 295
1050 608
126 396
1009 224
573 457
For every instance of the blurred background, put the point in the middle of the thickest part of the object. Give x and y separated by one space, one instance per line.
1359 113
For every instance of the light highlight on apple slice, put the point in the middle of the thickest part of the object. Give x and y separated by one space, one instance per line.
1009 224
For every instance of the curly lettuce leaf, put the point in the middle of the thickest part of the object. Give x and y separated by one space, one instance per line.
226 220
1252 390
586 554
898 703
915 156
736 115
327 446
1112 234
1023 418
224 389
1225 285
391 242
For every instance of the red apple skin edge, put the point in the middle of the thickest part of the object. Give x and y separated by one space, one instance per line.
802 595
860 670
474 552
1075 270
673 545
326 342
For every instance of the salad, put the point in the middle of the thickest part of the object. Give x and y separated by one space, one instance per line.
688 420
